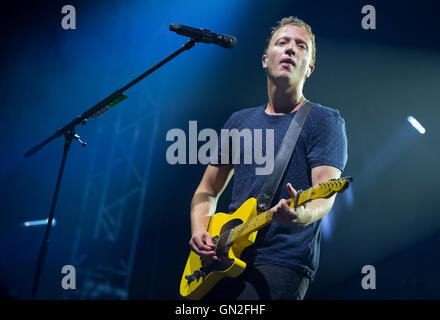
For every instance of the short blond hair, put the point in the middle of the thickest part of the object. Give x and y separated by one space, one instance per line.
293 21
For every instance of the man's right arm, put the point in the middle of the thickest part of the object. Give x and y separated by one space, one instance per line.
203 206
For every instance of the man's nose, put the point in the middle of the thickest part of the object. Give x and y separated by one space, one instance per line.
290 49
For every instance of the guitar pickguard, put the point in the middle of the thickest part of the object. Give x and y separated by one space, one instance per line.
221 241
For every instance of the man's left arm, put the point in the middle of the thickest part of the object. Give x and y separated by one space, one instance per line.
327 156
315 209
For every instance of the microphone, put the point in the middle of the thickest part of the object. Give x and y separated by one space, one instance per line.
204 35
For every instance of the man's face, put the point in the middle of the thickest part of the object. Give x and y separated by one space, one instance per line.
289 55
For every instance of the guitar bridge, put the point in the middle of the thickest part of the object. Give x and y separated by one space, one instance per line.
195 276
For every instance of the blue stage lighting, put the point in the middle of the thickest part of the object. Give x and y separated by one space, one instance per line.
35 223
416 124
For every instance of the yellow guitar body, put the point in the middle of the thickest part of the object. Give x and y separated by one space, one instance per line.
232 233
196 289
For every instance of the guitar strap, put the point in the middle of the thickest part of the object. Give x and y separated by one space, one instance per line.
272 181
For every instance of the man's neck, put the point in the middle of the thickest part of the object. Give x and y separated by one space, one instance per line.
283 100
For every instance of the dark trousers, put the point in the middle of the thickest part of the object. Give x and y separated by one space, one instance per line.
262 282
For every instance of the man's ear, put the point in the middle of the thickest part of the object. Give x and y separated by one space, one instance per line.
310 70
264 61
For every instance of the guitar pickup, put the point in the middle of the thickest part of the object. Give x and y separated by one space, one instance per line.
195 276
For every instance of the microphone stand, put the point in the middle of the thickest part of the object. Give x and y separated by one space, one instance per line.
68 131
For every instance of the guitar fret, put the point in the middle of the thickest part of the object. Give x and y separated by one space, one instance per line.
264 218
251 225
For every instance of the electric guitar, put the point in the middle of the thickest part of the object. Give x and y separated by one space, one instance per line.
232 233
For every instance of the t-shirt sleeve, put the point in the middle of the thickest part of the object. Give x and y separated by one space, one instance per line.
328 143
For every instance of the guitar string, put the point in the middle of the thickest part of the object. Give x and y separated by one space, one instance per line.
245 225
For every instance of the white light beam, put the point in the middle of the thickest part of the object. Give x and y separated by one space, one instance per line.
416 124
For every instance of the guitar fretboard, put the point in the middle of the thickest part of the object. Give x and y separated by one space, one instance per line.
323 190
263 219
251 225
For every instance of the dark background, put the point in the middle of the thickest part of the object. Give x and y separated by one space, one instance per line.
122 217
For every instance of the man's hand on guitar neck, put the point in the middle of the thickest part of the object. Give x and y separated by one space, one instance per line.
283 213
315 210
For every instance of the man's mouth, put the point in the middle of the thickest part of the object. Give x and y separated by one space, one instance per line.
287 61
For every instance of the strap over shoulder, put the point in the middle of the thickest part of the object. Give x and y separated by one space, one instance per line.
272 181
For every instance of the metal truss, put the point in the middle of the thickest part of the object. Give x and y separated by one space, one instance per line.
112 206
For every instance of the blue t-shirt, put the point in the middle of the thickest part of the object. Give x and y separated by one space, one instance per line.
322 141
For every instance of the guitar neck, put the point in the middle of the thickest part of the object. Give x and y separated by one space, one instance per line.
265 218
323 190
259 221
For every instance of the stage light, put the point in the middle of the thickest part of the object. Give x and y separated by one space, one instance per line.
35 223
416 124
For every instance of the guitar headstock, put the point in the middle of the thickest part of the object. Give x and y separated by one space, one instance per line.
333 185
323 190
